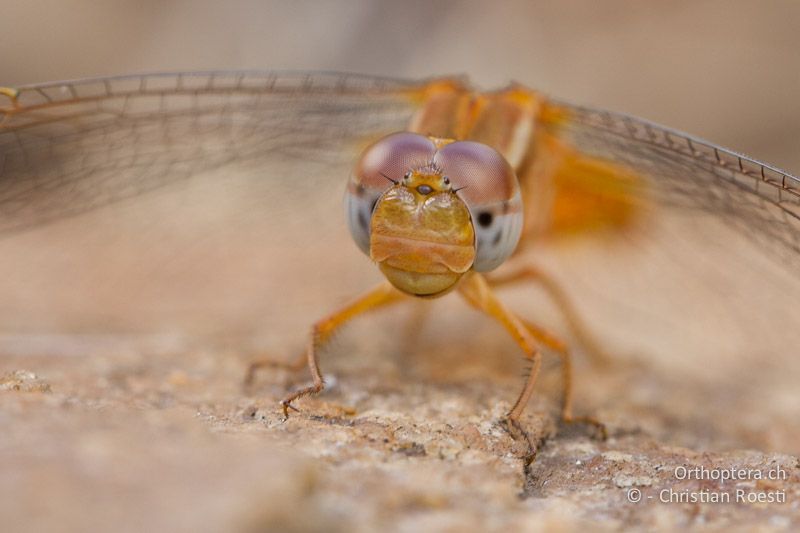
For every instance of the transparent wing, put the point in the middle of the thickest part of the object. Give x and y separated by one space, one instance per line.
176 201
759 201
70 147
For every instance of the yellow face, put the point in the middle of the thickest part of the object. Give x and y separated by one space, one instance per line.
421 234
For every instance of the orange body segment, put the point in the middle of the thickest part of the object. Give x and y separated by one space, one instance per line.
564 192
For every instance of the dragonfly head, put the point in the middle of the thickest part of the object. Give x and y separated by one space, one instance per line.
428 210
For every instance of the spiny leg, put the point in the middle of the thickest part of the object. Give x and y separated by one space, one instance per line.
529 273
557 345
383 294
268 362
479 295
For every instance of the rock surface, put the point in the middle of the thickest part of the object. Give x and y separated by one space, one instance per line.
135 441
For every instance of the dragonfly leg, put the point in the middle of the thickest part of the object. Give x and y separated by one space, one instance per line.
321 332
593 348
268 362
560 347
478 294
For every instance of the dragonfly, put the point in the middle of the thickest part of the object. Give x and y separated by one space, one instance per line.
212 202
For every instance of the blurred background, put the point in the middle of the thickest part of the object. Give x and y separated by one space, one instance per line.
724 70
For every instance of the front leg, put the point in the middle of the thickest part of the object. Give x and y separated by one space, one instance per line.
383 294
517 272
560 347
479 295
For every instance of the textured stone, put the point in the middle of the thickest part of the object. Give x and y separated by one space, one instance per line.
173 442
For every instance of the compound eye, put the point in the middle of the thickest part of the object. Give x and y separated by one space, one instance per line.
496 236
381 164
359 203
492 194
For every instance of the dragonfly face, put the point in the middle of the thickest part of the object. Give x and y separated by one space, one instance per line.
428 209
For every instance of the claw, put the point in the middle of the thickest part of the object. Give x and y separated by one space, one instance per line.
509 427
601 433
528 459
515 431
286 405
268 362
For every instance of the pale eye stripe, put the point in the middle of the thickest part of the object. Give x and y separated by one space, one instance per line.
496 241
359 216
